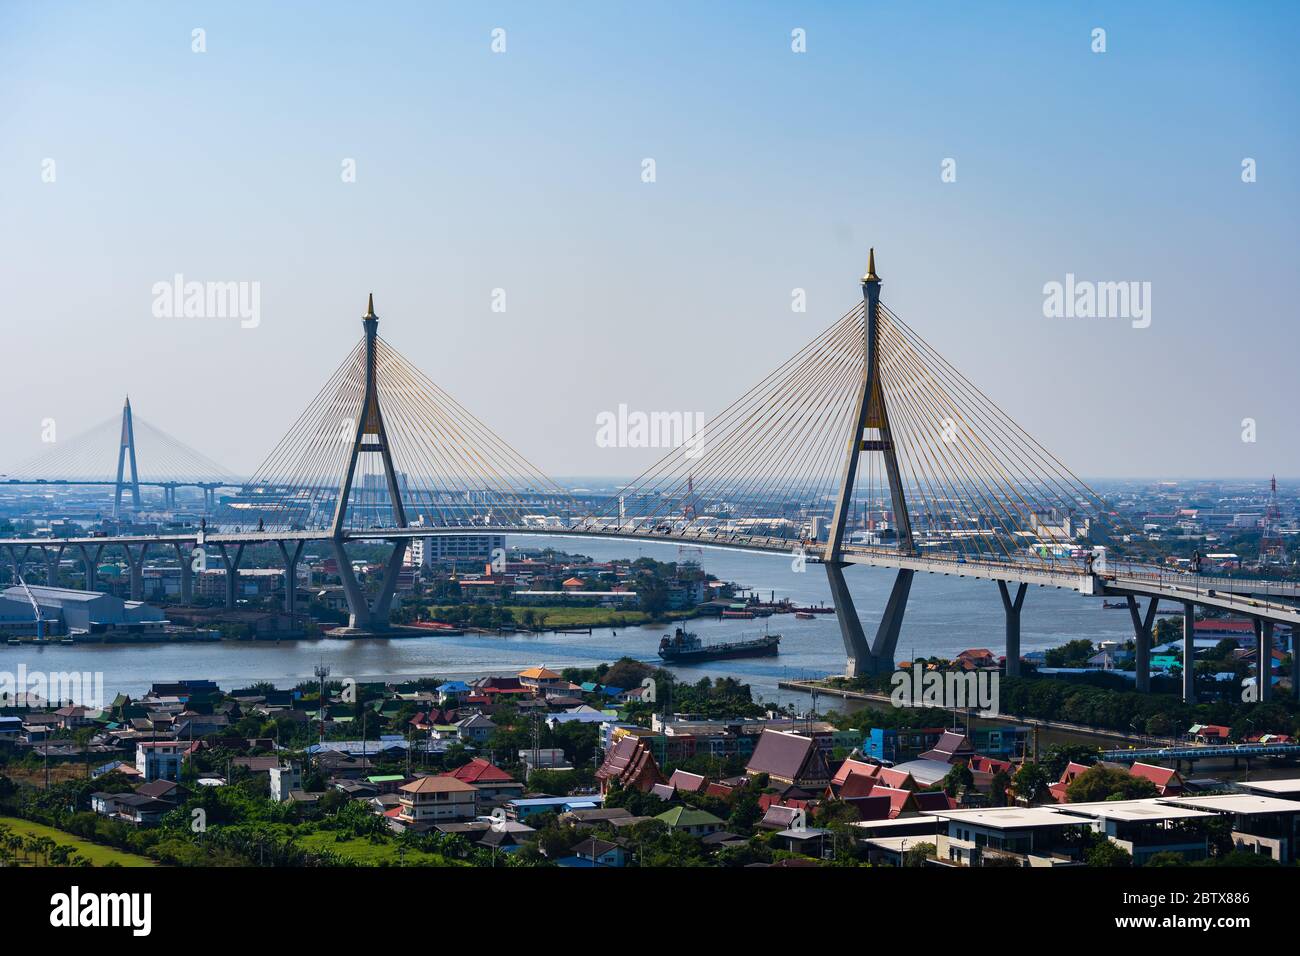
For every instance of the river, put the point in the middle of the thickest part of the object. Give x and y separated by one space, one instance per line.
945 615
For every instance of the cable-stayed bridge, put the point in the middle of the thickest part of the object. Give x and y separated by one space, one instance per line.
127 453
865 447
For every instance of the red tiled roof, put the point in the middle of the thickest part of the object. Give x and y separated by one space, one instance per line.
928 801
852 767
481 771
1166 779
872 808
686 782
631 764
856 786
898 779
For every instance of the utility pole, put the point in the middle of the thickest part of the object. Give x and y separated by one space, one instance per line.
322 671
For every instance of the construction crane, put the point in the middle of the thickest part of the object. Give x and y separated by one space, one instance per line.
36 608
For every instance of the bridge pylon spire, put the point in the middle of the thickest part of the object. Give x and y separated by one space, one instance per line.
369 437
125 455
872 416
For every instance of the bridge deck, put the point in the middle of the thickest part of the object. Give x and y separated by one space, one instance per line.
1240 595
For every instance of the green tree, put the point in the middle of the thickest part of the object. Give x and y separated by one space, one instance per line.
1105 853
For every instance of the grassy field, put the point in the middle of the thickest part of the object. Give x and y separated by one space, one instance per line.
98 855
364 853
59 773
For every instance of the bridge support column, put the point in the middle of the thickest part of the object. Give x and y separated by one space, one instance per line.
1264 659
90 563
1189 652
384 602
52 565
137 570
232 571
1142 625
358 606
1295 662
891 623
184 556
1012 609
855 640
18 562
290 556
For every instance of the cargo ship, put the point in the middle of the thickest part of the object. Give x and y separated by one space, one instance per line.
683 648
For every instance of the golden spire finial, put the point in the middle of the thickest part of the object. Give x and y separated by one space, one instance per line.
871 267
370 306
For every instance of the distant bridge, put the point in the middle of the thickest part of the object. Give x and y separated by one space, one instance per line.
1193 754
107 455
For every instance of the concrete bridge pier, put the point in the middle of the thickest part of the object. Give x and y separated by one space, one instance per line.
290 557
891 623
90 563
362 615
1264 659
1012 608
358 606
1142 625
232 571
1189 652
52 564
17 561
184 556
878 656
855 641
1295 663
136 564
384 601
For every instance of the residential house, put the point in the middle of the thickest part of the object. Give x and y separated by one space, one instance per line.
476 730
493 784
436 799
159 759
790 759
540 679
599 851
696 823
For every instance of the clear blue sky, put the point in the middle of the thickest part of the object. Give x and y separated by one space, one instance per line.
775 170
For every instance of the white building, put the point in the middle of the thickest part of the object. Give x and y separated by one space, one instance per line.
159 760
426 552
436 799
285 779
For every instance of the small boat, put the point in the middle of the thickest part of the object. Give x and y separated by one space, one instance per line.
804 616
1114 605
741 615
684 648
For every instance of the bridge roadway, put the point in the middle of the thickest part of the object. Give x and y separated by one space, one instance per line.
1245 596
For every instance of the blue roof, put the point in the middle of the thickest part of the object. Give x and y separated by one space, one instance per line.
582 717
586 801
453 687
386 742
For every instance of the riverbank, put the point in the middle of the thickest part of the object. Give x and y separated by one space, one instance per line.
1081 732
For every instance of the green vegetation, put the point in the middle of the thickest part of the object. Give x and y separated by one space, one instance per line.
493 617
27 843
